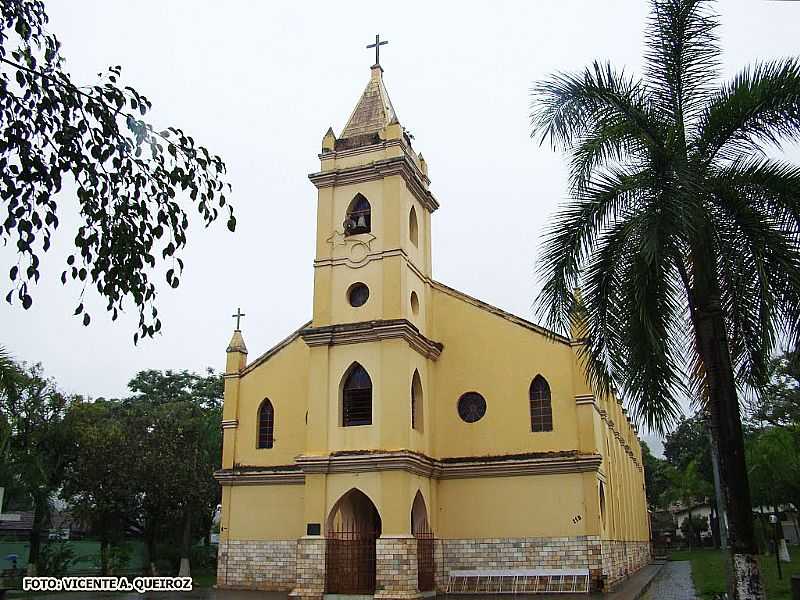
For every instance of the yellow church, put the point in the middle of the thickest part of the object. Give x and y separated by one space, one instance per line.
410 439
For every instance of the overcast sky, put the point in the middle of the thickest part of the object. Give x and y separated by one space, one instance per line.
260 82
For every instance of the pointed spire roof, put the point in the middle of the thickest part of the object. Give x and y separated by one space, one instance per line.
374 110
237 343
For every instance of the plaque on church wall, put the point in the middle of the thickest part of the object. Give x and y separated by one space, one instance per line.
313 529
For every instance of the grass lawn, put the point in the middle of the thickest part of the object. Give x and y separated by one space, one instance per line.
708 572
204 579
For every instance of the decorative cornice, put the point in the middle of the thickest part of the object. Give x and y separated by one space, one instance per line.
463 467
584 399
379 169
369 331
451 468
372 256
277 475
230 424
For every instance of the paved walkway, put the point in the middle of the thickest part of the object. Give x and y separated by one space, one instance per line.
673 583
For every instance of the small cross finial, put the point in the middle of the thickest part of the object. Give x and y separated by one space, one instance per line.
239 314
377 45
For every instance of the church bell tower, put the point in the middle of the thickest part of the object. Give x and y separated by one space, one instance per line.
372 273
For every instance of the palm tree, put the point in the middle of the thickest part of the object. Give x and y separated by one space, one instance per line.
9 373
681 232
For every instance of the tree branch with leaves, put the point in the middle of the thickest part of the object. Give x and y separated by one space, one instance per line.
131 180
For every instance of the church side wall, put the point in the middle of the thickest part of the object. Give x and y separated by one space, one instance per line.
486 353
512 507
283 378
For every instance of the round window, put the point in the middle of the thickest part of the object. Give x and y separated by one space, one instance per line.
358 294
471 407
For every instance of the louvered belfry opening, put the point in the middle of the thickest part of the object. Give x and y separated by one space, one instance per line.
353 526
357 397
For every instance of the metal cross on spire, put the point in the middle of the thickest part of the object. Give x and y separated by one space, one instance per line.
377 45
239 314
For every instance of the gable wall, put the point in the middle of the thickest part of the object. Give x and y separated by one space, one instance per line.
486 353
283 378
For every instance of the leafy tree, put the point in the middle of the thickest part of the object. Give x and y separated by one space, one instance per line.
688 442
655 476
98 482
687 487
36 445
692 529
773 456
681 233
129 177
778 404
179 415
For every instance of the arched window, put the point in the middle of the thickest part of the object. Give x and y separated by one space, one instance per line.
541 409
413 226
359 216
602 504
416 402
357 397
266 424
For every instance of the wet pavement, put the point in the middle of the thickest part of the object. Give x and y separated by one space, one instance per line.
671 581
195 594
674 582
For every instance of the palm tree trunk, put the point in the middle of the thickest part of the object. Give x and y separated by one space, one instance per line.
712 341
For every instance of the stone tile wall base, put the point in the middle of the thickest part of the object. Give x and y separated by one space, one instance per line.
268 565
608 561
622 559
310 583
396 568
299 565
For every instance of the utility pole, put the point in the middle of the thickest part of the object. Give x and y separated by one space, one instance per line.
722 522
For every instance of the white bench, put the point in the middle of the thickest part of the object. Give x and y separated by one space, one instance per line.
518 581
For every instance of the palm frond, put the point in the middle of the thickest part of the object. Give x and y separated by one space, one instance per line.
760 106
9 374
567 107
569 239
637 304
759 258
681 58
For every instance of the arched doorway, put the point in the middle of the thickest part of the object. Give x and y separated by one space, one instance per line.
421 529
351 530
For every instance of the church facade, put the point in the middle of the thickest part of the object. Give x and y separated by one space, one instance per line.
409 430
